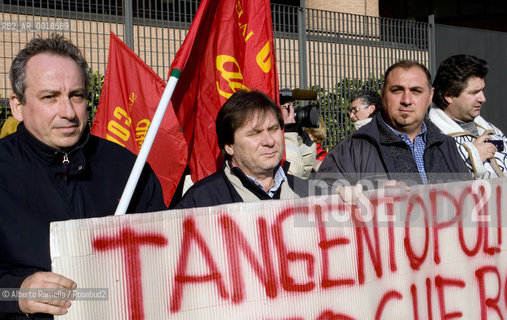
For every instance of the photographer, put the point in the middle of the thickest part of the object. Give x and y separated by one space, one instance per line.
300 150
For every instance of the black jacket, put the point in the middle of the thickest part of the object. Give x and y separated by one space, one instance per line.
375 153
36 188
216 190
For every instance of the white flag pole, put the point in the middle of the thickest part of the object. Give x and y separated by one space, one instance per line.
148 142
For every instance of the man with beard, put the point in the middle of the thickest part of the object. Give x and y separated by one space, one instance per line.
399 143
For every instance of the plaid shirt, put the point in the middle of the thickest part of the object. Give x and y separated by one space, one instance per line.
417 149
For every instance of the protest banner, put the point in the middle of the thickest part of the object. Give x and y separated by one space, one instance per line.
435 252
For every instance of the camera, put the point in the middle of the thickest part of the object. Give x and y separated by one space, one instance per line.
498 144
306 116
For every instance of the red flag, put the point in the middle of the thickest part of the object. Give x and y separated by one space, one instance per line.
229 47
128 101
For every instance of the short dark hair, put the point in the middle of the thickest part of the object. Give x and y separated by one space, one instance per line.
55 44
453 75
241 107
368 97
407 64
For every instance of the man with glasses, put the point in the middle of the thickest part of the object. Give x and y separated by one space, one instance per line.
363 106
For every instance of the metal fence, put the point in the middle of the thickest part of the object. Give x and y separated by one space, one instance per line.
334 53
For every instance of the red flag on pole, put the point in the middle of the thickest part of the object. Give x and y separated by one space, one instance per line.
129 99
229 47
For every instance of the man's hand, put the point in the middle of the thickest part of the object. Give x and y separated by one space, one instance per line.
46 280
396 185
288 113
350 194
486 149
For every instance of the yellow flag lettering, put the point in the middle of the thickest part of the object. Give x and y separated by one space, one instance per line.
113 139
229 76
263 58
239 9
132 99
116 131
243 28
141 130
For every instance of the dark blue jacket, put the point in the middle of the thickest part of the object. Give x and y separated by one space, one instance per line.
375 153
216 190
36 188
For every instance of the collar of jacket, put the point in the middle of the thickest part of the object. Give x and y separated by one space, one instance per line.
377 131
53 157
251 186
449 127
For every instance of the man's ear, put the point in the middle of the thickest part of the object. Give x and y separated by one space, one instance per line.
432 92
449 99
229 149
16 107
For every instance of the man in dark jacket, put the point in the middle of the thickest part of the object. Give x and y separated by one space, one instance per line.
249 130
400 143
52 169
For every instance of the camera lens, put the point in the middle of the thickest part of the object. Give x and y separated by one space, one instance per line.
307 116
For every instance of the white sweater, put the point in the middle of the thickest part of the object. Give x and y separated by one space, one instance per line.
491 168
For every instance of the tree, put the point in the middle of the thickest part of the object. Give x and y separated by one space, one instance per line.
96 82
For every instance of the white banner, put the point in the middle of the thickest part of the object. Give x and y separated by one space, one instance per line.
435 252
